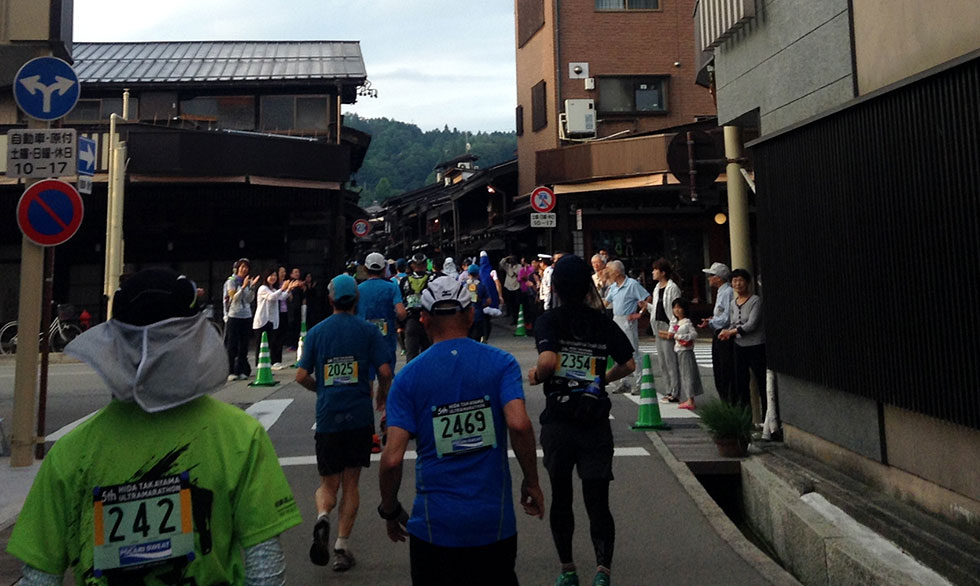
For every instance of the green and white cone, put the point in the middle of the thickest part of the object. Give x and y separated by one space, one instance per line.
648 416
263 375
520 330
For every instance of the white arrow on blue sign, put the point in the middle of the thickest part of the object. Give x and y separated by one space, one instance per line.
86 156
46 88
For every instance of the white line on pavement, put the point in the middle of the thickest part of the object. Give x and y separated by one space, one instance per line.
268 411
64 430
667 410
411 455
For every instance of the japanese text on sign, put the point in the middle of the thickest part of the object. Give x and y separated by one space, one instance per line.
41 153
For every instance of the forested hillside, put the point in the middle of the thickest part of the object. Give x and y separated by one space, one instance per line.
402 157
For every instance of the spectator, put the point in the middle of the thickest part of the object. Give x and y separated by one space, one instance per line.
750 339
722 351
664 294
627 299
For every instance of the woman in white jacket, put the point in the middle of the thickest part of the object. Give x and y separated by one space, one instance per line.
661 312
267 312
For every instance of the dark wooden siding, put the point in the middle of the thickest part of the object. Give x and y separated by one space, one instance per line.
870 246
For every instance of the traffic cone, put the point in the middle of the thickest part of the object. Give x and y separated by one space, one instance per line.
263 374
648 416
299 345
521 330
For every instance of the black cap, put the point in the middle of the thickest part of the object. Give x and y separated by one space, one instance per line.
571 279
153 295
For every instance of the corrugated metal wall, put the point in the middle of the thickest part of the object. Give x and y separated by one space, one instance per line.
870 245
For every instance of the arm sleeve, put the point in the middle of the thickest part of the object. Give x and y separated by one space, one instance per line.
686 333
39 538
34 577
263 503
396 297
670 293
545 336
398 408
265 564
721 317
511 384
754 321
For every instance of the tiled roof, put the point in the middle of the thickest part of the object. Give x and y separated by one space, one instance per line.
217 61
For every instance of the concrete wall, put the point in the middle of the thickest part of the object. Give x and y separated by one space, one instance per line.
536 61
894 39
791 62
935 450
849 420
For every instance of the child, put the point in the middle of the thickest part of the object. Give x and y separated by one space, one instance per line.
684 334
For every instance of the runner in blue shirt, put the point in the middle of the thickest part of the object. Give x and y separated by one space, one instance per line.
380 302
462 528
337 355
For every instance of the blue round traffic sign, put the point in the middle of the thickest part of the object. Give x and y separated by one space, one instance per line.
46 88
49 212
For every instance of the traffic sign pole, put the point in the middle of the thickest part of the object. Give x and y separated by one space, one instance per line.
28 325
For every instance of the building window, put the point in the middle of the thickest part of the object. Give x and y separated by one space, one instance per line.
304 113
233 112
539 107
530 19
520 121
632 95
627 4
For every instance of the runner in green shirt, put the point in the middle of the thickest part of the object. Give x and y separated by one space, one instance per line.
164 485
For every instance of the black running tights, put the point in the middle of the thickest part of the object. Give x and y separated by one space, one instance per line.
602 527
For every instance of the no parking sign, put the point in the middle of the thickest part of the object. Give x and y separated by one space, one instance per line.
49 212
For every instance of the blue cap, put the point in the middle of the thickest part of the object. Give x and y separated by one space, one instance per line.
473 270
343 288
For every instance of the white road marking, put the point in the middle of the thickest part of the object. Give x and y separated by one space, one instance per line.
64 430
702 354
268 411
412 455
667 410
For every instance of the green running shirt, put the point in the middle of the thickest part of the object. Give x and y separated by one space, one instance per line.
132 487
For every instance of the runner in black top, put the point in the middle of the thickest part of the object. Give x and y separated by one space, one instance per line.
574 342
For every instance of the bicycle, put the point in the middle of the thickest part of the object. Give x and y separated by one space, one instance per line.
60 332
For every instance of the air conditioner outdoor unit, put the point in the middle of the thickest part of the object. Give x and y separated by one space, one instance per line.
580 117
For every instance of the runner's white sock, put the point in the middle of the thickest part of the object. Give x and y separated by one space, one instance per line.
341 543
322 516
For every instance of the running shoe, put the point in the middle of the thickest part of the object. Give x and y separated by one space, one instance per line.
320 550
567 579
232 378
601 579
375 444
343 560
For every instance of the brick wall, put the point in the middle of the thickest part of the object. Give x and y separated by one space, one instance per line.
612 43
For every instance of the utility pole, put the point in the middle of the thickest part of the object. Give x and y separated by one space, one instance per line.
738 201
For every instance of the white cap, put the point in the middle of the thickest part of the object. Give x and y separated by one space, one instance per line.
445 295
374 262
719 270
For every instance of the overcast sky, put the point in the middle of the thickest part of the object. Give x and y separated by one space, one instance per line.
433 62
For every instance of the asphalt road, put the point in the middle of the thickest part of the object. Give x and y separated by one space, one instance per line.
662 536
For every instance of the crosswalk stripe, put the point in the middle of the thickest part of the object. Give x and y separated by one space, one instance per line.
667 410
268 411
412 455
702 354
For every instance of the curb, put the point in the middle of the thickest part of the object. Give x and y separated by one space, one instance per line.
723 526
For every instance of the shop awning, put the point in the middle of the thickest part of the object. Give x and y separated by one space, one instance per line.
637 182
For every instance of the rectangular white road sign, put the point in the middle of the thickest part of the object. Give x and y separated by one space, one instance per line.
41 153
543 220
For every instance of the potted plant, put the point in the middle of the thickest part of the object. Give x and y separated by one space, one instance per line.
729 425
